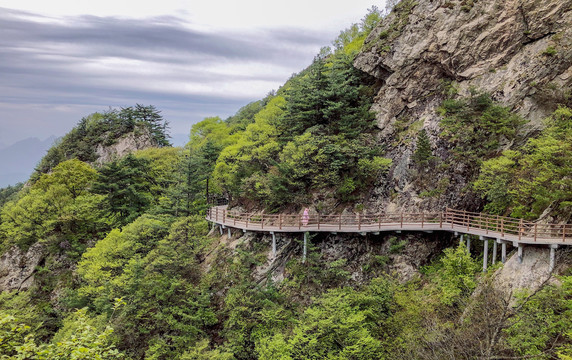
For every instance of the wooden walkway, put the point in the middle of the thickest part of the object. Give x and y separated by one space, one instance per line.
514 230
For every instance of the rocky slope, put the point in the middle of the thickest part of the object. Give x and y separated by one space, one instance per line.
518 51
131 142
17 267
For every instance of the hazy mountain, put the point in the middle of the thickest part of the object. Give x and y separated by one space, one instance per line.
18 160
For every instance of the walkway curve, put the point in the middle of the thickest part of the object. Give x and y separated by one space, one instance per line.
514 230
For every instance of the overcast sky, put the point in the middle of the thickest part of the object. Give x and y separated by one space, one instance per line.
63 59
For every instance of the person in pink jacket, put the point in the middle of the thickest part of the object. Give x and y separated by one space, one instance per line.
306 217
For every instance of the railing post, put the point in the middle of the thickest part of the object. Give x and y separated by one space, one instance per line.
564 233
247 217
468 220
440 220
497 225
401 219
379 219
520 230
280 221
300 222
234 221
487 227
318 221
359 221
535 226
340 221
223 215
502 227
262 222
422 219
216 214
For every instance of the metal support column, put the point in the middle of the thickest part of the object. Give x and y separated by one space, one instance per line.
469 244
503 252
552 257
461 240
305 246
273 244
520 253
494 252
220 227
485 254
229 233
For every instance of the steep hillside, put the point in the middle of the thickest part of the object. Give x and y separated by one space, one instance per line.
462 104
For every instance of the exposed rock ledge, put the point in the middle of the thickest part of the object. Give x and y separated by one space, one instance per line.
496 46
137 140
17 267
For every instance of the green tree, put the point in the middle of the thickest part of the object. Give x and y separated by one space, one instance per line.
457 275
126 186
58 207
150 117
423 153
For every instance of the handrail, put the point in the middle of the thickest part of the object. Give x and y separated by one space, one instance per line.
450 219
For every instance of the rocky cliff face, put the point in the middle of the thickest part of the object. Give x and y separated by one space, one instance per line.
137 140
516 50
17 267
362 257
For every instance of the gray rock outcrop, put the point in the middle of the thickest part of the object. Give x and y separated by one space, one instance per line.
516 50
137 140
17 267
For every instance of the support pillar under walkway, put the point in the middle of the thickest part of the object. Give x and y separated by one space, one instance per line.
485 253
305 247
494 252
273 244
552 257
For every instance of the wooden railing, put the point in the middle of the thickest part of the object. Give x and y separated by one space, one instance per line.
459 220
511 226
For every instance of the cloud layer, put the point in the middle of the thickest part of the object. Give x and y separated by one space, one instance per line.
56 70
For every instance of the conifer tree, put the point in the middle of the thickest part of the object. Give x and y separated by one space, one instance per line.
423 154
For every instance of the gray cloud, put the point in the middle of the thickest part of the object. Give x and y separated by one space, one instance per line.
56 70
163 39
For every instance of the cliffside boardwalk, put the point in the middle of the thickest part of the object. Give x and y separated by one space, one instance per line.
503 230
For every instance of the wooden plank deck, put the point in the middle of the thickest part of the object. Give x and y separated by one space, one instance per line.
490 226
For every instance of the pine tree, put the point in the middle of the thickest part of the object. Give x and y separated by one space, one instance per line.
125 184
423 154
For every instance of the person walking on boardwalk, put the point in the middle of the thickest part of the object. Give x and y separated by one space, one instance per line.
306 217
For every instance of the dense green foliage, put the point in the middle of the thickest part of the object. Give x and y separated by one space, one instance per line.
58 210
527 181
126 185
9 193
86 342
313 136
477 127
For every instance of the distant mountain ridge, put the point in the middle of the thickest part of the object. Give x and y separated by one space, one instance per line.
18 160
